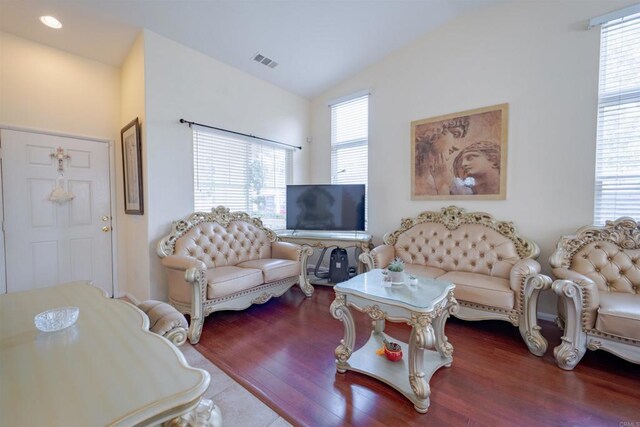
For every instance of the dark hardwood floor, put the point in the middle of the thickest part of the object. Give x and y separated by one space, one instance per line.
283 352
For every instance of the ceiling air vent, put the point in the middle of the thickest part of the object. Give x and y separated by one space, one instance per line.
265 61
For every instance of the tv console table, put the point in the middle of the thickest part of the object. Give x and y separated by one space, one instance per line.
324 239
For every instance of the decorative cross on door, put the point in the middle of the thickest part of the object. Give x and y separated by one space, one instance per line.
61 156
59 194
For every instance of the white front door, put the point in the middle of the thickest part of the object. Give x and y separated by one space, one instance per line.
48 243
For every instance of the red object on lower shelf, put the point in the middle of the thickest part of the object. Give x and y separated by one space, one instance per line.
395 354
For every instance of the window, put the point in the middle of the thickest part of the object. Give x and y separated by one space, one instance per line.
349 142
617 189
241 174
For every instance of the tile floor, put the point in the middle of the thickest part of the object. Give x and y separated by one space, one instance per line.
238 406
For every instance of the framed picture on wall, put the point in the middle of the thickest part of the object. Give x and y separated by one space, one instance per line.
461 155
132 168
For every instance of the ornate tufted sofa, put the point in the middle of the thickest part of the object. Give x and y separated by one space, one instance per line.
598 285
227 261
494 270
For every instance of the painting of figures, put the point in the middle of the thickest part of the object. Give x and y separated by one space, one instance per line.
461 155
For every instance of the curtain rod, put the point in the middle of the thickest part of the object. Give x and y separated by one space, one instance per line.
238 133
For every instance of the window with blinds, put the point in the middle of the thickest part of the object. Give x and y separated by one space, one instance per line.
617 189
241 174
349 143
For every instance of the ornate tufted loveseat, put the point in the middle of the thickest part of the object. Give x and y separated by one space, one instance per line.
494 270
598 285
227 261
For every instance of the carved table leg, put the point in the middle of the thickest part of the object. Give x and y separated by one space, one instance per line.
340 311
305 285
206 414
422 337
442 344
378 325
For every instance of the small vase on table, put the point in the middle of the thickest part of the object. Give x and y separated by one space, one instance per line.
396 271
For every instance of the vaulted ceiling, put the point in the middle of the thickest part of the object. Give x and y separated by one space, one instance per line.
316 43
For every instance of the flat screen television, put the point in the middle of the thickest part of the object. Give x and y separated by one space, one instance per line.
325 207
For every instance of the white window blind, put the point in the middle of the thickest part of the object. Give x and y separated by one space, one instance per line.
241 174
617 189
349 142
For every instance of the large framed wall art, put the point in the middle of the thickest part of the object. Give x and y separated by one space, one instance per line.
461 155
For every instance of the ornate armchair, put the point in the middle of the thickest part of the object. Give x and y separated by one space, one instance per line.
494 269
227 261
598 280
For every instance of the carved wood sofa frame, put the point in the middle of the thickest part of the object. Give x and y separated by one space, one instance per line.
201 306
578 295
524 313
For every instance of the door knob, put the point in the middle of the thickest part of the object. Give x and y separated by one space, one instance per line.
106 229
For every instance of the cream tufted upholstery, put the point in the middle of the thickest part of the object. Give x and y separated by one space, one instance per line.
472 248
218 246
227 261
598 272
494 270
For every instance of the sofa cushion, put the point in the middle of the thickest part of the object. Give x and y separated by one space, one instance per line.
611 267
423 270
222 281
218 246
274 269
471 248
481 289
619 314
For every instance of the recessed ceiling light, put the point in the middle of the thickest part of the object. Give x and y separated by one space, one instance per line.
51 22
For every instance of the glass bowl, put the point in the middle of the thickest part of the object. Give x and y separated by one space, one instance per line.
56 319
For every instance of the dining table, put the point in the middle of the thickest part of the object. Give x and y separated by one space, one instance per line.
106 369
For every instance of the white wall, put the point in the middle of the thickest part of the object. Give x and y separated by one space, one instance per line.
536 56
133 266
183 83
46 89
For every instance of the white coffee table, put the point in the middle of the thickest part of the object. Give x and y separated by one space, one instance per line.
425 306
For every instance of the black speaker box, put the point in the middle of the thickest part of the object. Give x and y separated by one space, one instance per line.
339 265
